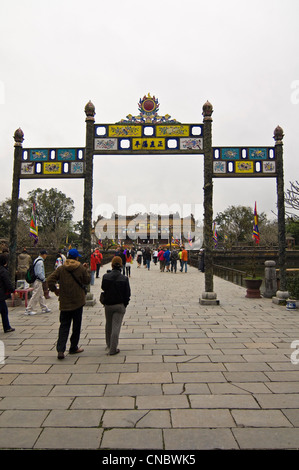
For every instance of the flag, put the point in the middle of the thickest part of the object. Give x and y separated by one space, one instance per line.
215 235
33 232
100 243
189 239
255 233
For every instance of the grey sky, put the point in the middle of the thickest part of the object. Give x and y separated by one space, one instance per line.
241 56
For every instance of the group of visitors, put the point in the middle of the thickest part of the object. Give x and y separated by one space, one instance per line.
68 281
127 257
95 265
168 260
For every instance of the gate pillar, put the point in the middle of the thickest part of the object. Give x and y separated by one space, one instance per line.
208 297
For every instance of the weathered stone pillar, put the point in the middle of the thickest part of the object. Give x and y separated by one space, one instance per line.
270 279
282 294
88 181
13 233
88 186
208 297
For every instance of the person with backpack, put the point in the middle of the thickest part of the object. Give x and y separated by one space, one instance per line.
6 288
68 282
38 296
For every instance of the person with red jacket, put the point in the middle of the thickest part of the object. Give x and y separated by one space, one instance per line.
99 257
93 267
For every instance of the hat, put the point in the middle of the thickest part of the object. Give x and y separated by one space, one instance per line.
116 262
43 252
74 253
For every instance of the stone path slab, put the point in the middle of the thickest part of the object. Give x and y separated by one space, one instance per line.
188 377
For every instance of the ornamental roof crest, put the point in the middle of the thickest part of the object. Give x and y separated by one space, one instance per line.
148 107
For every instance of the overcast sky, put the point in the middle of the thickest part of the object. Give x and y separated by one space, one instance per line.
242 56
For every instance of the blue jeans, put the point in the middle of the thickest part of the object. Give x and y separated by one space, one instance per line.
148 262
182 268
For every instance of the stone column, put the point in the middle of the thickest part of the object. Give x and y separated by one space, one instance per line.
208 297
270 279
282 294
88 181
88 186
13 233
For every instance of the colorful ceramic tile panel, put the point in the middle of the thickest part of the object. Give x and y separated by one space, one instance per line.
244 167
269 167
27 168
119 130
191 143
52 168
77 168
106 144
219 167
172 131
148 144
257 153
66 154
230 153
37 155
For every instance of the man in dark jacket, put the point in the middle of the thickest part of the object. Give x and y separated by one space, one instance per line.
71 277
6 288
117 294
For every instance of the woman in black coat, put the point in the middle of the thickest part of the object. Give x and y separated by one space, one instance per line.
6 288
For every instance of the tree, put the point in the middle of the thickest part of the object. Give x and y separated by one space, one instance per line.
5 214
54 208
292 199
235 224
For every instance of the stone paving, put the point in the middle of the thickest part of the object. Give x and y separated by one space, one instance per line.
188 377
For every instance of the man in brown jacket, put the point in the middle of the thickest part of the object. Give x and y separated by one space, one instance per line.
67 282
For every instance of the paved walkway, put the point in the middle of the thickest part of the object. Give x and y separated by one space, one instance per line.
188 376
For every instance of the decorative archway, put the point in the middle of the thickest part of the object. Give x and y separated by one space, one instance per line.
150 133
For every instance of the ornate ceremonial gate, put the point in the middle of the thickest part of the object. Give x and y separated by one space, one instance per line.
149 133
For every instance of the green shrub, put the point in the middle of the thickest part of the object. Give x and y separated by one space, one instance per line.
293 285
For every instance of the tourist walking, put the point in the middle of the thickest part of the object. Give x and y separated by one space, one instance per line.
155 256
99 258
60 259
68 283
161 260
117 295
129 261
139 257
24 261
167 259
93 268
174 259
180 257
39 286
148 258
6 288
184 260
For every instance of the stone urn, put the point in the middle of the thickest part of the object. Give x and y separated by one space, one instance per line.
253 287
